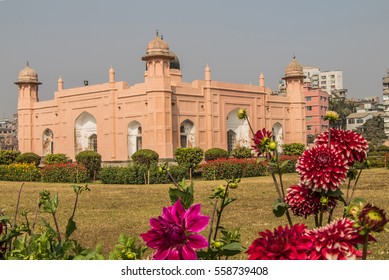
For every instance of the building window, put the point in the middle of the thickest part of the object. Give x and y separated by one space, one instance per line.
231 140
92 142
309 127
351 121
359 120
309 108
187 134
309 118
308 98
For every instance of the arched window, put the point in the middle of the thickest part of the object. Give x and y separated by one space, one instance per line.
278 136
134 138
187 134
231 140
92 142
47 142
85 128
237 131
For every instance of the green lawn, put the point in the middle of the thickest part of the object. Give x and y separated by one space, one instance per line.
108 210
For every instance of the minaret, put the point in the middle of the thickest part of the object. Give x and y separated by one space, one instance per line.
294 80
111 75
262 81
60 84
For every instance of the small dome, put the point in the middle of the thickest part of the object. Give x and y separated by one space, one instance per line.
294 69
28 75
157 46
174 63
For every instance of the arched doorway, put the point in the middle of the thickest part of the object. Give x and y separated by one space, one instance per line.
85 133
187 134
278 136
134 138
237 131
47 142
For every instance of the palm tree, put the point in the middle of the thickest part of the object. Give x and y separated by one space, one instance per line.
344 108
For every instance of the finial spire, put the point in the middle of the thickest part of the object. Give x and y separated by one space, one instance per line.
156 32
28 64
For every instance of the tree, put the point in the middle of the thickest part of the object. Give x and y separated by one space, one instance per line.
344 108
373 130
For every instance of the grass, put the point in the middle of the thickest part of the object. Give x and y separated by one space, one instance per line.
108 210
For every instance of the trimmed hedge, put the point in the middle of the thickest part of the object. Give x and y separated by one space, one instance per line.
242 152
56 158
293 149
91 160
19 172
228 168
145 156
215 153
65 173
29 158
8 156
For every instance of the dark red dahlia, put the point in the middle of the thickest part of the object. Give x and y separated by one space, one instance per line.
336 241
281 244
372 218
353 144
304 202
261 140
322 168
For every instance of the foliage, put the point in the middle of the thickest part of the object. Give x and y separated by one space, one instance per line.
29 158
145 156
8 156
19 172
215 153
56 158
232 168
344 108
293 149
65 173
126 249
91 160
241 152
189 157
373 131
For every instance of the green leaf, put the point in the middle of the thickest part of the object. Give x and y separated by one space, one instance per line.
279 208
337 193
70 228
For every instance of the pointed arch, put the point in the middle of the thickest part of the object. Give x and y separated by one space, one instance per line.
187 134
278 135
134 138
237 129
47 142
85 133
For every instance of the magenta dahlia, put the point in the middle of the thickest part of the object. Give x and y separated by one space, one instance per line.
353 144
261 140
282 244
322 168
174 233
304 202
336 241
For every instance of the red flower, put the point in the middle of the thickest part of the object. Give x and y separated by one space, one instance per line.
372 218
336 241
261 140
281 244
322 168
304 202
353 145
173 233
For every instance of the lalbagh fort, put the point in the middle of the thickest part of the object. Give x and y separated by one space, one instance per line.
161 113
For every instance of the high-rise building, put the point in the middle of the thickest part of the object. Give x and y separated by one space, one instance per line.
329 81
385 98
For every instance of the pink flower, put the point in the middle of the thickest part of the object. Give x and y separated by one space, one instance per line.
322 168
353 145
304 202
261 140
336 241
282 244
173 234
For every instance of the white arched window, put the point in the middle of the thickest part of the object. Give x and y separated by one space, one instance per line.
134 138
237 131
278 136
85 133
187 134
47 142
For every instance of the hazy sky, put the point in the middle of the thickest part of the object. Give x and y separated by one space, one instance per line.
79 40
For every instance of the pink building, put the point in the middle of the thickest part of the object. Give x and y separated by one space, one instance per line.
162 113
316 104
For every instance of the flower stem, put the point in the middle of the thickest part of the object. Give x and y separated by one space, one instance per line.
355 184
364 254
252 131
281 197
17 204
212 218
219 214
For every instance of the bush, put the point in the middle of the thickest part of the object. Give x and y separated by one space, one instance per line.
291 165
190 157
228 168
8 157
382 148
293 149
215 153
56 158
145 156
65 173
19 172
29 158
91 160
241 152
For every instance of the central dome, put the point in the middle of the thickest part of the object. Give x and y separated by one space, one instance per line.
28 75
157 46
294 69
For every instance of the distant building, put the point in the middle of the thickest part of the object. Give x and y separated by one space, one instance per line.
8 134
385 98
316 105
329 81
162 113
356 120
371 103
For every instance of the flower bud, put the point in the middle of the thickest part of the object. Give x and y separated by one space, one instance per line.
331 116
372 218
131 256
242 114
233 185
272 145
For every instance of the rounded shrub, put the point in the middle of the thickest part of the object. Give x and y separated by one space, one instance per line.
215 153
293 149
241 152
29 158
91 160
8 156
56 158
145 156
